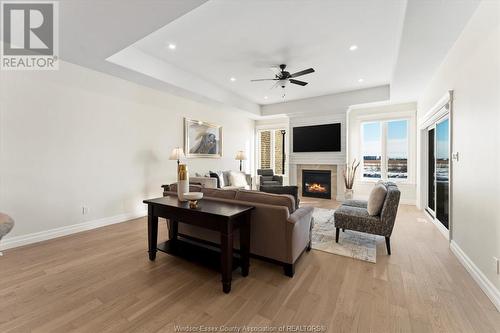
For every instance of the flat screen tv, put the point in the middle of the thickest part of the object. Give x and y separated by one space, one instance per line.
318 138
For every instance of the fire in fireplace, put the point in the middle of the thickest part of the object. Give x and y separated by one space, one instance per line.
316 183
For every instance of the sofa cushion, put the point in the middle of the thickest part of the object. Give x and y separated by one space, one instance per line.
237 179
267 198
376 199
192 187
219 193
290 190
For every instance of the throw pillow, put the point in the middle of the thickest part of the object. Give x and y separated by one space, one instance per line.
237 179
376 199
216 176
222 180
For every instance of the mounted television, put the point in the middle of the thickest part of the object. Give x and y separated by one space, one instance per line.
318 138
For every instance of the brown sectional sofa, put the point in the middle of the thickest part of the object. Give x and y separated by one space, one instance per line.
279 232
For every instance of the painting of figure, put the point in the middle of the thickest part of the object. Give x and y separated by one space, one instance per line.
202 139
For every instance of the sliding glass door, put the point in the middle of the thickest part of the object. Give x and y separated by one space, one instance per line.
431 168
443 171
438 170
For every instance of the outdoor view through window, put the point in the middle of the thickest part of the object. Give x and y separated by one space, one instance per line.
385 149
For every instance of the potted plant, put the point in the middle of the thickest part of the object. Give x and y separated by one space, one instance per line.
349 176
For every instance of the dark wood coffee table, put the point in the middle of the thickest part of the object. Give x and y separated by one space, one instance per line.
214 215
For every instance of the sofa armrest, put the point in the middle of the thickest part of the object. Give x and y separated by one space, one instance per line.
207 182
298 228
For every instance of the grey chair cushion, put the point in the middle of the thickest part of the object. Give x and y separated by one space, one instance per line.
376 199
6 224
358 219
266 178
355 203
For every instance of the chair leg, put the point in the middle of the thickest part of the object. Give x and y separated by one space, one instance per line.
337 232
388 245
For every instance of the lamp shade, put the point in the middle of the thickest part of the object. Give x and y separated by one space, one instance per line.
177 154
240 155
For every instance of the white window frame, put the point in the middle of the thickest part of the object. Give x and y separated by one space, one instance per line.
383 151
273 141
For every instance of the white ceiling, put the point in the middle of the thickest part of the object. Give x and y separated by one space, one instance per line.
243 39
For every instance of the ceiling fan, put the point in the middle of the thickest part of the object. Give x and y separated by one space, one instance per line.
283 77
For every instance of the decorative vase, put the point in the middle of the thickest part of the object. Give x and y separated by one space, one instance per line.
182 182
349 193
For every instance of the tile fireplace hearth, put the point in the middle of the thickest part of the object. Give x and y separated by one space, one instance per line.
317 184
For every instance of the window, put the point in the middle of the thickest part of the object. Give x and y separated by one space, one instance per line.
271 154
385 149
372 150
397 149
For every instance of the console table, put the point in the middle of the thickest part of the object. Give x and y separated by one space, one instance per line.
214 215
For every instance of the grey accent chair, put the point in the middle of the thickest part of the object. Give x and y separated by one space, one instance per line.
6 225
268 178
353 215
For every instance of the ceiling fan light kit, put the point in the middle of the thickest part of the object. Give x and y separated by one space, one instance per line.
283 77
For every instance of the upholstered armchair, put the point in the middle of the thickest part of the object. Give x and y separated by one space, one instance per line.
6 225
268 178
353 215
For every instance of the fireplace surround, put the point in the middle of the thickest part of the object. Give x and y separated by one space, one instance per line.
317 184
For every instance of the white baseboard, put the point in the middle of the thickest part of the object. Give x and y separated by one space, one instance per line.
488 288
8 243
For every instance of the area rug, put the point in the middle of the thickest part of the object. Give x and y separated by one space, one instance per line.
351 244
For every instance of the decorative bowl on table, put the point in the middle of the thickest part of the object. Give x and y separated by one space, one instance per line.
193 198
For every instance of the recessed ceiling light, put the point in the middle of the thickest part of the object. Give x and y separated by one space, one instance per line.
232 79
353 47
265 97
360 80
172 46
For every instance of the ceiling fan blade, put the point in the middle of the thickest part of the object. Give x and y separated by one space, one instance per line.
263 80
300 83
304 72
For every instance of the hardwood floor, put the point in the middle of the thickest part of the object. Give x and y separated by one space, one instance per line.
102 281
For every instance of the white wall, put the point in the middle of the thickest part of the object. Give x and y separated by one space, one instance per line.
472 70
355 117
76 137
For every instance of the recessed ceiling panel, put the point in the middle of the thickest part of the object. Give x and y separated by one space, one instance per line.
228 43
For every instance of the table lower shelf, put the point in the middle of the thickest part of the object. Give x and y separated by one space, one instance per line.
203 254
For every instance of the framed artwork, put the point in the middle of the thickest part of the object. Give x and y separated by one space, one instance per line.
202 139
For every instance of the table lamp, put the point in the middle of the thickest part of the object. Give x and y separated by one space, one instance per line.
240 155
177 154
